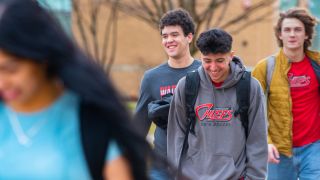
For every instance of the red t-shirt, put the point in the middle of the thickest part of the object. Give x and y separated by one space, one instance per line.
304 89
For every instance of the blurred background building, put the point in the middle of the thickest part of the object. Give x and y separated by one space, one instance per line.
123 35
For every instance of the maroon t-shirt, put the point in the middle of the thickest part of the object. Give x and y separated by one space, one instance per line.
219 84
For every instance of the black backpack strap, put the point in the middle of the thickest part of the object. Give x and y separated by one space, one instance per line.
191 94
94 139
243 100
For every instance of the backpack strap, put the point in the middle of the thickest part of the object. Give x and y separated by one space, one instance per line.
191 93
270 67
243 100
316 68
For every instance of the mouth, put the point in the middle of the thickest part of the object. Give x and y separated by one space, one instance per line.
9 95
171 47
216 73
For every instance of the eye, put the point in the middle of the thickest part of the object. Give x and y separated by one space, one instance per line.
164 36
286 30
11 67
206 61
220 60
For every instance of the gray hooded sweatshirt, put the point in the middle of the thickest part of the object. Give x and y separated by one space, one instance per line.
219 149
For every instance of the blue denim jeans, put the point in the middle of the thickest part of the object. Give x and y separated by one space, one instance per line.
304 164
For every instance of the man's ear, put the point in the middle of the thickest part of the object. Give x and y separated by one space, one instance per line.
190 37
232 54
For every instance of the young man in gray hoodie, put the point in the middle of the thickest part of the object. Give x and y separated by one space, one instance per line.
219 148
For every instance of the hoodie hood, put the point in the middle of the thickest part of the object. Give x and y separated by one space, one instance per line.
236 70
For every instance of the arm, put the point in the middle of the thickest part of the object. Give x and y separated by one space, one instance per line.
256 144
141 115
116 163
117 169
259 72
177 123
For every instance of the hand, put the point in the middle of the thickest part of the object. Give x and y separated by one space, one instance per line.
273 154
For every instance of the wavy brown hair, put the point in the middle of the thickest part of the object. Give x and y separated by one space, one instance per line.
302 15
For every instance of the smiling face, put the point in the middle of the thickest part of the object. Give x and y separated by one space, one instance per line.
20 79
217 65
175 43
292 34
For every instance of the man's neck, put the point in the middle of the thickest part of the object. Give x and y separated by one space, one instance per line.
294 55
182 62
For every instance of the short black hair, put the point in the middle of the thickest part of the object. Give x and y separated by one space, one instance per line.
214 41
179 17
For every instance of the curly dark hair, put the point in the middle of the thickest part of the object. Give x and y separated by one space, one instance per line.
214 41
178 17
302 15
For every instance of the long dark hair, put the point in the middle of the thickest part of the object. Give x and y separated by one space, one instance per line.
29 31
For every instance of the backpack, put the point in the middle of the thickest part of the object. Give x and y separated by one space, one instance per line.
158 110
191 93
270 67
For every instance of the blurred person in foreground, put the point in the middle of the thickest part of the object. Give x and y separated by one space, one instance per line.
60 117
293 99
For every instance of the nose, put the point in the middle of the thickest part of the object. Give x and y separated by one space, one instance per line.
213 66
170 39
292 33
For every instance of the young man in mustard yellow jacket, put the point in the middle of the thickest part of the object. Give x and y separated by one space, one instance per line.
293 99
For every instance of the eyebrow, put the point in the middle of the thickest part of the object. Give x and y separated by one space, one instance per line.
175 32
286 27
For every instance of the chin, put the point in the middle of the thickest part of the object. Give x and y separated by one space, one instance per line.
294 47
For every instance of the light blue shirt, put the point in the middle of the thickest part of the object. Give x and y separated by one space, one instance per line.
54 151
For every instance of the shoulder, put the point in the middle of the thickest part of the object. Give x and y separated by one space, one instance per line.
260 70
255 83
314 55
256 89
261 64
196 62
161 67
181 85
154 72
